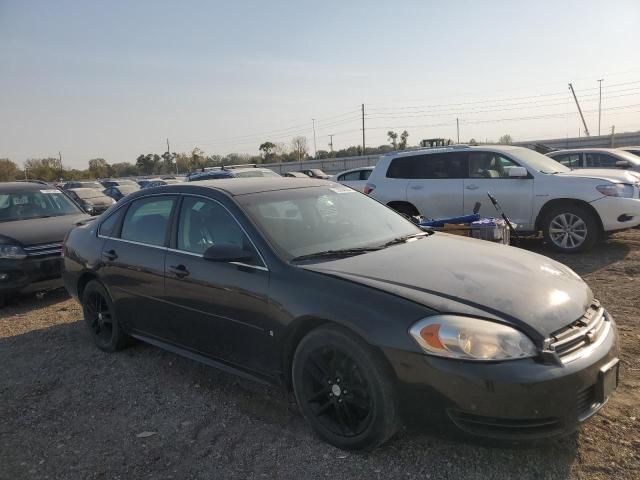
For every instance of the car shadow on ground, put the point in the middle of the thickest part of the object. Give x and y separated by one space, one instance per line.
23 303
602 255
70 407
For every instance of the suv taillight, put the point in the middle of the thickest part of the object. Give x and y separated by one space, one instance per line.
368 188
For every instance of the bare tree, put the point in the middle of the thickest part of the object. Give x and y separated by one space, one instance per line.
299 147
505 139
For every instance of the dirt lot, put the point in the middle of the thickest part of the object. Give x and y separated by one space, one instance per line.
67 410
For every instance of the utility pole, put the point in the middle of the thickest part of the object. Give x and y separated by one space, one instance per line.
60 157
600 105
586 130
331 141
363 144
458 128
315 149
613 135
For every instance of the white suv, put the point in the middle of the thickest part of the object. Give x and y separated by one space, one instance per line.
572 208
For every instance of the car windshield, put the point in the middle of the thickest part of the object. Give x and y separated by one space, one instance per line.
540 162
23 205
311 220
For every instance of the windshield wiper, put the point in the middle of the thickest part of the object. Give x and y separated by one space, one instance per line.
405 238
345 252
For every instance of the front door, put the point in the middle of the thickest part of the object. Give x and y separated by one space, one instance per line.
133 256
489 172
218 309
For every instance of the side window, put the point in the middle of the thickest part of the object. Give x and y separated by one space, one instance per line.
110 227
365 174
204 223
403 167
147 219
430 166
489 165
571 160
601 160
351 176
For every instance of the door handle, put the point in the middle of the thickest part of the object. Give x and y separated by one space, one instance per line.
417 187
471 187
179 271
110 255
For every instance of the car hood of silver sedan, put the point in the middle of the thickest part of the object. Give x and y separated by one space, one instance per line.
455 274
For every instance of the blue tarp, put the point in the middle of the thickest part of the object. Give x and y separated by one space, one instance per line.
441 221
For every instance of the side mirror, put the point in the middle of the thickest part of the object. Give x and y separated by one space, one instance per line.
623 164
225 252
518 172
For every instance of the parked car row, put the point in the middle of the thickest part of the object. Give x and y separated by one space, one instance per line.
573 208
369 320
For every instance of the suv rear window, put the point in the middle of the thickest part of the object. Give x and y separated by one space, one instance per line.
431 165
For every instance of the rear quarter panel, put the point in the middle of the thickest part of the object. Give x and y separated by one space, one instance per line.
82 250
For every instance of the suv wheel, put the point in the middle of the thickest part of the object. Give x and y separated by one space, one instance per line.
100 319
571 228
344 390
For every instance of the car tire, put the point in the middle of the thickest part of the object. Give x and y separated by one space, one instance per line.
405 209
100 318
571 228
344 390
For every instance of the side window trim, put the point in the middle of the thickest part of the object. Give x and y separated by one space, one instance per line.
173 245
126 206
116 233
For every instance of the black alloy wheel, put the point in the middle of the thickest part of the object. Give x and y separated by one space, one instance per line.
99 317
344 389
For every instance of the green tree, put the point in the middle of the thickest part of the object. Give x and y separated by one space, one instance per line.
393 139
124 169
99 168
403 140
267 148
147 164
8 170
505 139
47 169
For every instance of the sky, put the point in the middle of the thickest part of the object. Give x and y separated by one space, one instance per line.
116 79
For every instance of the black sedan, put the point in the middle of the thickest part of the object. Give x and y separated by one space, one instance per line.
92 201
34 219
368 319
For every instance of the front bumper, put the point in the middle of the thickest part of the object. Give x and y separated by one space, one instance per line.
30 274
618 213
513 400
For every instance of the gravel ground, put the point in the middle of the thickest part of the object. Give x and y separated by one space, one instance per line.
68 410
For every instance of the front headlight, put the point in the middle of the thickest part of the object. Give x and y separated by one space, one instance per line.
14 252
616 190
467 338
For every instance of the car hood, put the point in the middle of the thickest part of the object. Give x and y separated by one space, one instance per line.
455 274
39 230
611 175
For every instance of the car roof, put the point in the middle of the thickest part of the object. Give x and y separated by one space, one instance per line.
594 149
454 148
244 186
355 170
8 187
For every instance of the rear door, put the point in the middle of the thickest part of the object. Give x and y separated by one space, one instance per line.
218 309
489 172
436 183
133 256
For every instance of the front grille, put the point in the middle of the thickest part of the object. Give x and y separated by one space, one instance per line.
570 342
506 428
44 250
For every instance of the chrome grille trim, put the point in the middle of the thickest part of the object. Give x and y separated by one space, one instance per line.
43 249
582 336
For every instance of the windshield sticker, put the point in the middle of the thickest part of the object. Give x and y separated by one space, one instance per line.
20 200
342 190
49 191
